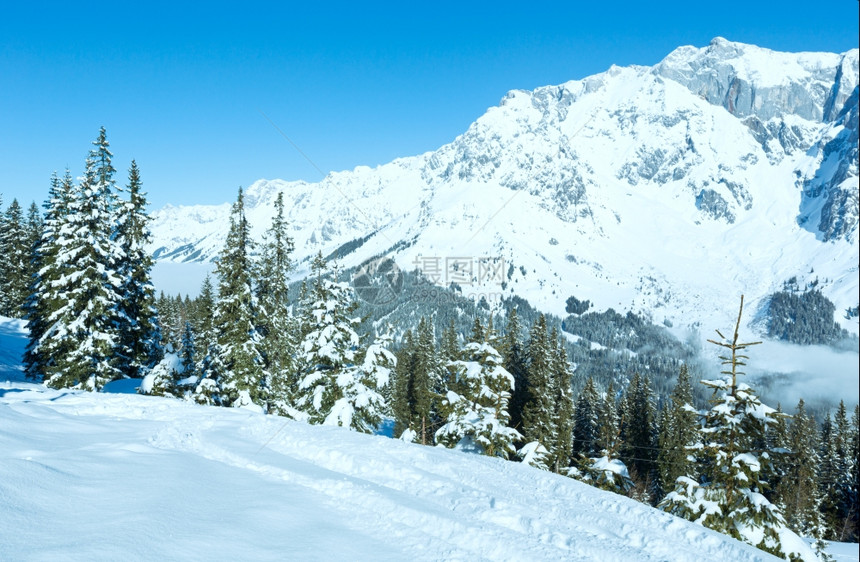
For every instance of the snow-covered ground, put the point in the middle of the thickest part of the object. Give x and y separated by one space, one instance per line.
120 476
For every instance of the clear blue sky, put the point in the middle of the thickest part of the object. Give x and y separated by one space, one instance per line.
181 89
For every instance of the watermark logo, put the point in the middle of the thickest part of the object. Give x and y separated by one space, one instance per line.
464 271
378 281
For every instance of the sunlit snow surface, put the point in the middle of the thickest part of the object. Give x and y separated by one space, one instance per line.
127 477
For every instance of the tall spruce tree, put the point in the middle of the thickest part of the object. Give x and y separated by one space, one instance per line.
83 301
797 491
729 496
639 435
35 225
363 406
330 342
562 440
537 417
14 261
139 346
402 402
92 312
46 286
609 439
836 475
2 264
597 438
188 355
204 339
515 362
586 423
204 312
3 273
430 382
418 385
853 493
779 451
678 432
277 326
240 376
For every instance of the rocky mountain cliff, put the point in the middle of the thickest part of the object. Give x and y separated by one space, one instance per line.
669 189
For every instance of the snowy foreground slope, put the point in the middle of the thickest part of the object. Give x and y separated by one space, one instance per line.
112 476
126 477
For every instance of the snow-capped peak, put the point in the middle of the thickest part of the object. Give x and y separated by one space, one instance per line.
669 189
750 80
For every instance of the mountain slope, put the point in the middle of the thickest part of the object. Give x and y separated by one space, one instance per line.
668 189
120 476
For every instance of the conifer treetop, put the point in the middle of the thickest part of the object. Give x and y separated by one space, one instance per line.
736 360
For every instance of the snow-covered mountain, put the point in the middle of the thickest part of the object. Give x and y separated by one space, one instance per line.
670 189
93 476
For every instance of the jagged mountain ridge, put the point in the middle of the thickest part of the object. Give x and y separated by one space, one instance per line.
670 189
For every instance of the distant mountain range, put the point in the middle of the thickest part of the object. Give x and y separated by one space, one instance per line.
668 190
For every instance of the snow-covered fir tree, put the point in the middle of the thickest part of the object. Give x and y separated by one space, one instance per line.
449 348
797 491
401 402
596 441
35 225
206 391
362 406
729 495
777 446
476 413
83 294
139 334
514 356
276 324
239 376
418 383
45 296
836 484
639 436
14 261
433 379
170 376
609 432
188 359
329 343
560 447
854 477
678 431
537 422
3 273
586 424
340 382
201 322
